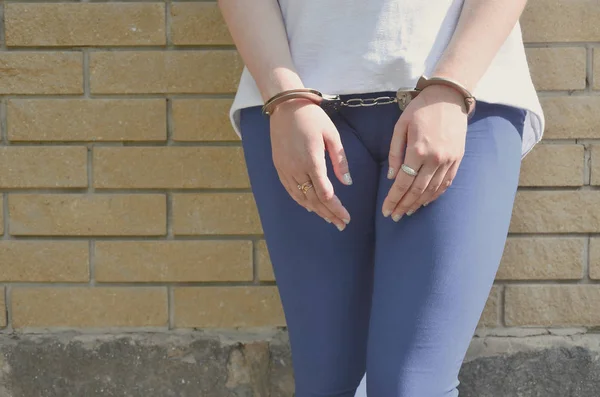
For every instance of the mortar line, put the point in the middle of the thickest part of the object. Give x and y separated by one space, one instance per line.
137 238
130 96
586 261
86 73
255 276
502 306
127 191
132 144
169 122
5 215
587 164
145 284
169 212
170 308
2 27
590 68
168 22
91 264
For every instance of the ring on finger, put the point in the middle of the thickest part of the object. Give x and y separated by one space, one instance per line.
305 187
408 170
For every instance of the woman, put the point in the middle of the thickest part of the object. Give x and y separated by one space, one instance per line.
385 223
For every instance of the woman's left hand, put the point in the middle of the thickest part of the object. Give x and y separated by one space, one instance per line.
429 137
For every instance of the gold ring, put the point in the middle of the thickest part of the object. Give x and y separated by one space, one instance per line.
305 187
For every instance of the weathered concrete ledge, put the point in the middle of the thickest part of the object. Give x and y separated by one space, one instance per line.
225 364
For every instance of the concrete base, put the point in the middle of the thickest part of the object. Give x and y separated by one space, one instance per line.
258 365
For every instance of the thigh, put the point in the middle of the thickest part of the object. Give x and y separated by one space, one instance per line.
324 276
434 269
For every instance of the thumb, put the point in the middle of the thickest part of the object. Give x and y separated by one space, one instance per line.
397 148
333 145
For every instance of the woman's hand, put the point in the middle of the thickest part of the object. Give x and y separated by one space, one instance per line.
301 132
430 138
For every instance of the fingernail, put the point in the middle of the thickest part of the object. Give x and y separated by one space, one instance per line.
396 217
341 227
387 213
409 213
426 204
309 210
347 178
390 174
346 220
327 220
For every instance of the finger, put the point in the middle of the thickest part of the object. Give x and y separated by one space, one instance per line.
402 183
434 185
324 190
312 202
397 148
333 145
323 211
447 182
291 187
407 204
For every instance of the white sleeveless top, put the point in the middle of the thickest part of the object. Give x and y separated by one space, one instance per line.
358 46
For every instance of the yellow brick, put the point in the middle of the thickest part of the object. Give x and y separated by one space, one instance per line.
41 72
561 21
173 261
542 259
215 213
553 165
131 72
556 212
87 215
489 317
552 305
43 261
170 167
202 120
263 262
43 167
595 164
569 117
87 119
198 23
226 307
97 307
595 258
557 68
84 24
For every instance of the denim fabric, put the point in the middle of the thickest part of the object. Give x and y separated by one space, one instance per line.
398 300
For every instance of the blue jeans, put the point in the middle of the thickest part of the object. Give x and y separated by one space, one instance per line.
400 301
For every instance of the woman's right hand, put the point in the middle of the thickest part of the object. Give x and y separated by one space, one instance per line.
301 132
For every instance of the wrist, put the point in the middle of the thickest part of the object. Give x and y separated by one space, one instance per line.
446 94
468 101
280 81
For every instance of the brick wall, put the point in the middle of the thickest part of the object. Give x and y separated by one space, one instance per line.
125 202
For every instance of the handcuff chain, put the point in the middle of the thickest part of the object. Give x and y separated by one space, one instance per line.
360 102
